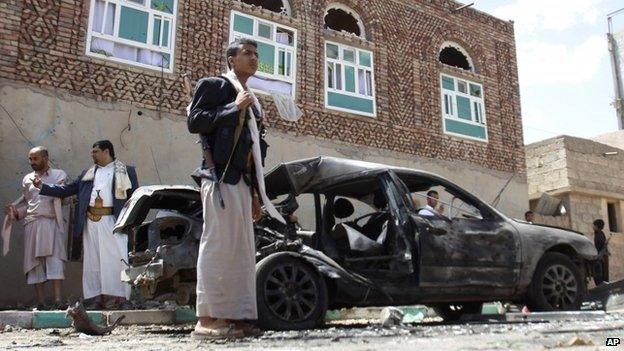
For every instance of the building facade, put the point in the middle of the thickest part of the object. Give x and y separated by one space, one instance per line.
588 176
411 83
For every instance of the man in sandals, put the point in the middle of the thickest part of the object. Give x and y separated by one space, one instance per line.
228 118
44 234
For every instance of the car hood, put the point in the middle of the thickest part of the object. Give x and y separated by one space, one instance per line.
154 196
545 237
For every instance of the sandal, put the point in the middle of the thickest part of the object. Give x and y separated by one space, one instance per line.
224 332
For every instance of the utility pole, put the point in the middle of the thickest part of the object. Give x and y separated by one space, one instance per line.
616 51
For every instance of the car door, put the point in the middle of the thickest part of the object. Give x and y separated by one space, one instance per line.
481 250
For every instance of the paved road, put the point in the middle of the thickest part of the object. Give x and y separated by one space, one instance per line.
354 335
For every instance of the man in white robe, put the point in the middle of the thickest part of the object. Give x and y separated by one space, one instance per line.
102 191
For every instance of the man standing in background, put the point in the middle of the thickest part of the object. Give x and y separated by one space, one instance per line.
44 235
102 192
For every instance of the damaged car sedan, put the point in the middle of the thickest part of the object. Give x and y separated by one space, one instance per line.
356 236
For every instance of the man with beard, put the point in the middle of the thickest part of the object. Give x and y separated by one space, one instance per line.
102 192
44 236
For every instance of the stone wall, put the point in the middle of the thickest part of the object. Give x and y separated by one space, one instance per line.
578 172
44 43
613 139
546 166
589 167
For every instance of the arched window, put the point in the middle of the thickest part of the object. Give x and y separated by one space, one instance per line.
454 55
279 6
341 18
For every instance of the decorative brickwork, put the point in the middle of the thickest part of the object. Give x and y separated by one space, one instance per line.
43 43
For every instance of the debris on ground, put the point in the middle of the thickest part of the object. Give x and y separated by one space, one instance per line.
391 317
576 341
615 302
413 316
83 324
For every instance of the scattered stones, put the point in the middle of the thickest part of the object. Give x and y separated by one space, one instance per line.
391 317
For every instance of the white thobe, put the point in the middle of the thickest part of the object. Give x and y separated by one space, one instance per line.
226 266
44 236
428 211
103 250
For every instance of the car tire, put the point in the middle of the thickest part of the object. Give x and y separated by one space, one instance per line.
453 312
291 294
557 284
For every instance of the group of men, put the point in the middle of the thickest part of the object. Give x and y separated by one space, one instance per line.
102 190
229 120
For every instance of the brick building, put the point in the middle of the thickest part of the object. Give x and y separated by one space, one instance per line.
413 83
588 177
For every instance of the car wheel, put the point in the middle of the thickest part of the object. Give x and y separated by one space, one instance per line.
291 294
453 312
557 284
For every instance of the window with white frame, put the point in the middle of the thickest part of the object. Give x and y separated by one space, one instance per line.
139 32
277 59
463 109
349 79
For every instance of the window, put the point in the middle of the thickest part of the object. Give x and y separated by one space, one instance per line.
276 52
452 54
279 6
139 32
341 18
463 110
612 215
349 79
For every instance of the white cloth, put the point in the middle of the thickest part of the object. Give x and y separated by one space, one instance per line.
102 265
35 253
51 268
428 211
103 250
253 128
122 180
286 107
102 184
226 266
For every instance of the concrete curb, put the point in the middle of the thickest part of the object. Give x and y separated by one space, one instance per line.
59 319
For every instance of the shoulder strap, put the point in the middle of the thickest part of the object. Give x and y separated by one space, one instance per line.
237 132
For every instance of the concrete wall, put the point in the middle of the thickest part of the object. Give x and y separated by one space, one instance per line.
546 166
614 139
164 152
589 168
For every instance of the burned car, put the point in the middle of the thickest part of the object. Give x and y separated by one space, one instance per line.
357 236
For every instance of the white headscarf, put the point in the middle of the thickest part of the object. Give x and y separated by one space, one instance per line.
255 150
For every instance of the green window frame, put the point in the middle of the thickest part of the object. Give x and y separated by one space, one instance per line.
276 46
349 79
137 32
463 108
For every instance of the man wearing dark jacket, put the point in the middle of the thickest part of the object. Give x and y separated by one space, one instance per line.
228 118
600 241
102 192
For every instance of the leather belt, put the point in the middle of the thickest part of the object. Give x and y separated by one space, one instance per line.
96 213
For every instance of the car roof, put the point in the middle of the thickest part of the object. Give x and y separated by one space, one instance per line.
311 174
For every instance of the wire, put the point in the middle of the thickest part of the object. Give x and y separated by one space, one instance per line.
32 145
17 127
155 165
